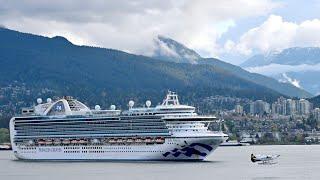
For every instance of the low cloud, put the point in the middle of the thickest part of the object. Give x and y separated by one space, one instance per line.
290 80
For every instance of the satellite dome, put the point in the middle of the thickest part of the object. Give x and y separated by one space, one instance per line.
97 107
131 103
39 100
113 107
49 100
148 103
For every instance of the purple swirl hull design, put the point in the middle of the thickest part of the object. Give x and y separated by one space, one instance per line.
198 149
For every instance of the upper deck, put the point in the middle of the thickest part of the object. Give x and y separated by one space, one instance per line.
69 118
70 107
169 110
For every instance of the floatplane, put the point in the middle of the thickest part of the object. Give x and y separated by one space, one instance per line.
264 159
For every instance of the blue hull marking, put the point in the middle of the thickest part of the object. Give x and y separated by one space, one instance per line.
189 150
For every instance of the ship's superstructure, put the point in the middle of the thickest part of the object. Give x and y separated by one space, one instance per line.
66 129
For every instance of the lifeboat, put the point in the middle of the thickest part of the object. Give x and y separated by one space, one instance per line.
57 141
160 140
111 140
48 142
41 142
139 140
83 141
148 140
66 141
74 141
129 140
120 140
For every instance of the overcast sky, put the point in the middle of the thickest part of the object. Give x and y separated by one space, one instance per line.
232 30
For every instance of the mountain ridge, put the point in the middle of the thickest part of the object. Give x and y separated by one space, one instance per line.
104 76
297 65
284 88
289 56
173 51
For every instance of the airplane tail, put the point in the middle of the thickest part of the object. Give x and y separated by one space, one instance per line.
253 158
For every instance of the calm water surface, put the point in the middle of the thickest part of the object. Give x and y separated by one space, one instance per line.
296 162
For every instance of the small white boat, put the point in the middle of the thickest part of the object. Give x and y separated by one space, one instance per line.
5 147
234 143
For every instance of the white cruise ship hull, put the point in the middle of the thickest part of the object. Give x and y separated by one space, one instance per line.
192 148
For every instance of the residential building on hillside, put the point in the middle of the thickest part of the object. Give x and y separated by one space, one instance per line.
304 107
259 107
238 109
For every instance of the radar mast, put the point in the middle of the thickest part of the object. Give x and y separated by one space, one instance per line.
171 99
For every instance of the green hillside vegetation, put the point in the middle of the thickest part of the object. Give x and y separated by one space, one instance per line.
48 67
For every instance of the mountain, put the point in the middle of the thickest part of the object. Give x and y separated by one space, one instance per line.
298 65
35 66
173 51
164 43
290 56
315 101
283 88
258 60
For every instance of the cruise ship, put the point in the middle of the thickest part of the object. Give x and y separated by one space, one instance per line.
66 129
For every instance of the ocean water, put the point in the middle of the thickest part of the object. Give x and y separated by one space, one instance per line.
295 162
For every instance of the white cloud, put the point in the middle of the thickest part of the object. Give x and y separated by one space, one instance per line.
276 34
132 25
165 50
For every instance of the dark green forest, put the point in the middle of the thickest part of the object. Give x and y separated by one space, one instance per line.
34 66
